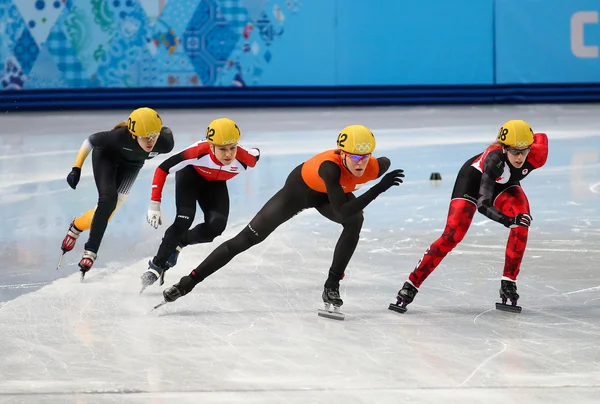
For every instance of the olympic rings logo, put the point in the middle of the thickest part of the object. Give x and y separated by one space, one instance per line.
363 148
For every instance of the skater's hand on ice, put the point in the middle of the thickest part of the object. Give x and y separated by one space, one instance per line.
73 177
522 219
153 215
392 178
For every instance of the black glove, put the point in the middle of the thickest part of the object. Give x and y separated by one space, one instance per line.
522 219
392 178
73 177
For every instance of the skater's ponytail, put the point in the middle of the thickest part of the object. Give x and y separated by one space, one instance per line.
495 145
120 125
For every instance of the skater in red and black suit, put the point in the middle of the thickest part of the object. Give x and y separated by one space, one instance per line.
325 182
491 183
201 174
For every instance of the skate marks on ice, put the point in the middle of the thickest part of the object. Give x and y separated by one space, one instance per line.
250 334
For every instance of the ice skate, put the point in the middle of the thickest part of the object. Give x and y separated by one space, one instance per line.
333 302
405 297
182 288
508 291
172 260
86 262
68 242
153 274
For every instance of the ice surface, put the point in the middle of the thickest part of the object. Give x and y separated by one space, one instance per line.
250 333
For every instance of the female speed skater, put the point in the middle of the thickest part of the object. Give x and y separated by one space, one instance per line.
325 182
201 174
117 157
491 183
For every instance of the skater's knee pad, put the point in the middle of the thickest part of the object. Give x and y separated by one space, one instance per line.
108 201
215 224
450 239
244 240
354 222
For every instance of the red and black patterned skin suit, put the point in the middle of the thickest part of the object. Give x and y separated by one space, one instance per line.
490 184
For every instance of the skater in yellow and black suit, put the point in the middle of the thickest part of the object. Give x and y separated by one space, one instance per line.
117 157
325 182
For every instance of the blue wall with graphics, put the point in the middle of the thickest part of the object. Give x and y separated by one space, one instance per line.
547 41
109 53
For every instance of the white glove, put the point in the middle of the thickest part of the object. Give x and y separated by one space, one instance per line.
153 215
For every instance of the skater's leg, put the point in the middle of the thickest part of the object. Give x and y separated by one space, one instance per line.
114 184
346 244
215 205
187 185
84 222
105 176
279 209
459 219
511 202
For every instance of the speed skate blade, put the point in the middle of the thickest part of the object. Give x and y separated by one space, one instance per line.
144 286
160 304
82 276
334 315
60 260
397 308
508 307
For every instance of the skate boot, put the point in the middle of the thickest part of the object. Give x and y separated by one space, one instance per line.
68 242
87 260
154 273
508 291
331 297
405 297
172 260
185 286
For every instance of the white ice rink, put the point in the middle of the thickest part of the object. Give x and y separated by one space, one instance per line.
250 332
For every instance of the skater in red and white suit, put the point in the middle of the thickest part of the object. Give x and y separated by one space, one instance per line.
491 183
201 174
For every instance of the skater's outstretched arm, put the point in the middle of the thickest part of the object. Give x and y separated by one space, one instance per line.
331 174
